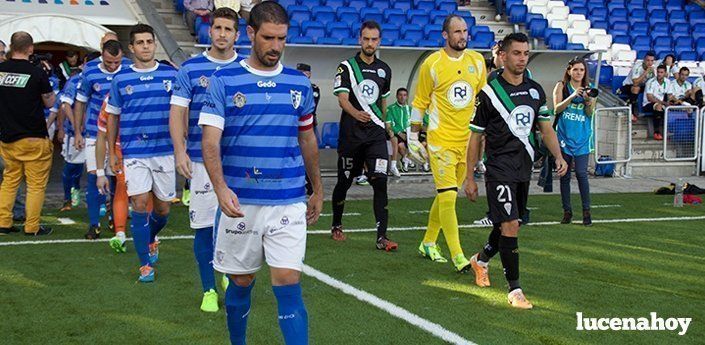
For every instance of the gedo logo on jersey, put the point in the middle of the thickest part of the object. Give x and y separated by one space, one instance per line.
520 121
268 83
460 94
369 91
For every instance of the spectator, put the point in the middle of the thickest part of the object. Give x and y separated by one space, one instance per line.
670 62
68 67
246 6
231 4
194 9
398 118
3 47
573 108
24 143
680 91
655 100
634 83
698 87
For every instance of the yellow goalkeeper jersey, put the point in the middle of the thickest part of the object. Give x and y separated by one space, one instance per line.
446 90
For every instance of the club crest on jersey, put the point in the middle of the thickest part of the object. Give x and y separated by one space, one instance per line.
534 93
460 94
167 85
129 89
96 87
203 81
295 98
239 100
471 69
381 73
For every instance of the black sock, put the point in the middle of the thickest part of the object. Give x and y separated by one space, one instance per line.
509 252
379 202
492 245
339 193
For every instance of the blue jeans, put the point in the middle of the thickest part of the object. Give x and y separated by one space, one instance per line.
581 165
546 176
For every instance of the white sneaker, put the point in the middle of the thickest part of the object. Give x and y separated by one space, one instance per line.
517 299
480 166
395 171
498 18
483 221
405 164
361 180
426 167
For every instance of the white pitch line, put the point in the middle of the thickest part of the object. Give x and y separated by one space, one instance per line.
421 211
604 206
344 214
394 310
66 221
409 228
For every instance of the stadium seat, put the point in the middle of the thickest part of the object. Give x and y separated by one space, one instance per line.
294 31
411 32
348 15
658 17
615 4
599 13
674 5
329 134
579 10
483 39
684 42
428 43
387 42
447 5
438 16
433 32
371 14
338 30
357 4
404 43
574 46
323 14
284 3
639 28
391 31
465 14
618 14
203 35
310 23
551 31
394 16
517 13
350 41
379 4
632 4
418 17
620 26
638 15
335 3
557 41
537 27
426 6
688 56
698 31
600 24
302 40
329 41
676 17
314 30
299 13
244 40
655 5
479 28
660 29
403 5
641 40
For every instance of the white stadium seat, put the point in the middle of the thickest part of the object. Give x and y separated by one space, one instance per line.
574 17
572 31
605 40
562 11
554 3
582 39
593 32
598 47
530 3
539 9
581 24
559 24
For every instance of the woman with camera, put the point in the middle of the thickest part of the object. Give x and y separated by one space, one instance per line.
573 104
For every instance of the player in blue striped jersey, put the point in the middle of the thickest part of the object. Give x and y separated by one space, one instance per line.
259 117
139 105
186 104
108 36
94 87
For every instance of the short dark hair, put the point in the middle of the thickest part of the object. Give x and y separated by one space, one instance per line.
402 89
663 67
372 25
20 42
513 37
686 69
226 13
446 22
140 29
268 12
71 53
650 53
113 47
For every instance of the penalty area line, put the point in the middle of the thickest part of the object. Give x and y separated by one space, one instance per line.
392 309
409 228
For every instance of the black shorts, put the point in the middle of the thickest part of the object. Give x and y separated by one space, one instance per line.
400 139
507 201
352 157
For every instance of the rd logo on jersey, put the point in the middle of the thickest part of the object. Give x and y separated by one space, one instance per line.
369 91
295 98
520 121
460 94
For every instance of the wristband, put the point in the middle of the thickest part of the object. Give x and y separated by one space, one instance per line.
100 172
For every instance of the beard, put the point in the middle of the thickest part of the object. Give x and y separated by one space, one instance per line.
458 46
262 57
368 51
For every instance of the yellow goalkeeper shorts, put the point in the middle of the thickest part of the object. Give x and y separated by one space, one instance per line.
449 166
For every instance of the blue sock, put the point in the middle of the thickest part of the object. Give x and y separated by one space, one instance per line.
293 318
93 200
237 308
156 224
67 180
76 175
203 250
140 235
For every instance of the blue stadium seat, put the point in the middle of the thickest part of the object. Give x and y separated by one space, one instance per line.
680 30
329 41
483 40
517 14
244 40
418 17
394 16
620 26
353 41
294 31
658 17
357 4
696 15
438 16
674 4
574 46
621 39
310 23
660 29
508 4
557 41
391 32
315 30
302 40
404 43
615 4
574 3
348 15
323 14
618 14
286 3
689 55
639 28
299 13
203 35
600 24
371 14
579 10
426 6
379 4
537 27
661 42
428 43
433 32
411 32
387 42
550 31
655 5
698 31
677 17
465 14
700 44
599 13
355 28
638 15
447 5
479 28
617 82
329 134
403 5
338 30
632 4
336 3
641 41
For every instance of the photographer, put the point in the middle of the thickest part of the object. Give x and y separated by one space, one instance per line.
24 143
574 103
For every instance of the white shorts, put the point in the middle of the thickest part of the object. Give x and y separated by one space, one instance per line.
71 155
51 130
151 174
90 154
276 234
247 5
204 202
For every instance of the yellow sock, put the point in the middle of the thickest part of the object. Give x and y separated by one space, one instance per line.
449 221
434 224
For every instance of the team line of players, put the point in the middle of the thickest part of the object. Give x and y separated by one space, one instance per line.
242 131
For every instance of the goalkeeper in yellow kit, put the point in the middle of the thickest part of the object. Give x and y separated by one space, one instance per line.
448 82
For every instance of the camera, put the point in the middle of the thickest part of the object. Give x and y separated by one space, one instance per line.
592 92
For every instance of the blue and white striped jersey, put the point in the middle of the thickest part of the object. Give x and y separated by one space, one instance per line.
94 87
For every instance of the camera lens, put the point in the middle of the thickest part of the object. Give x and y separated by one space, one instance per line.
593 92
